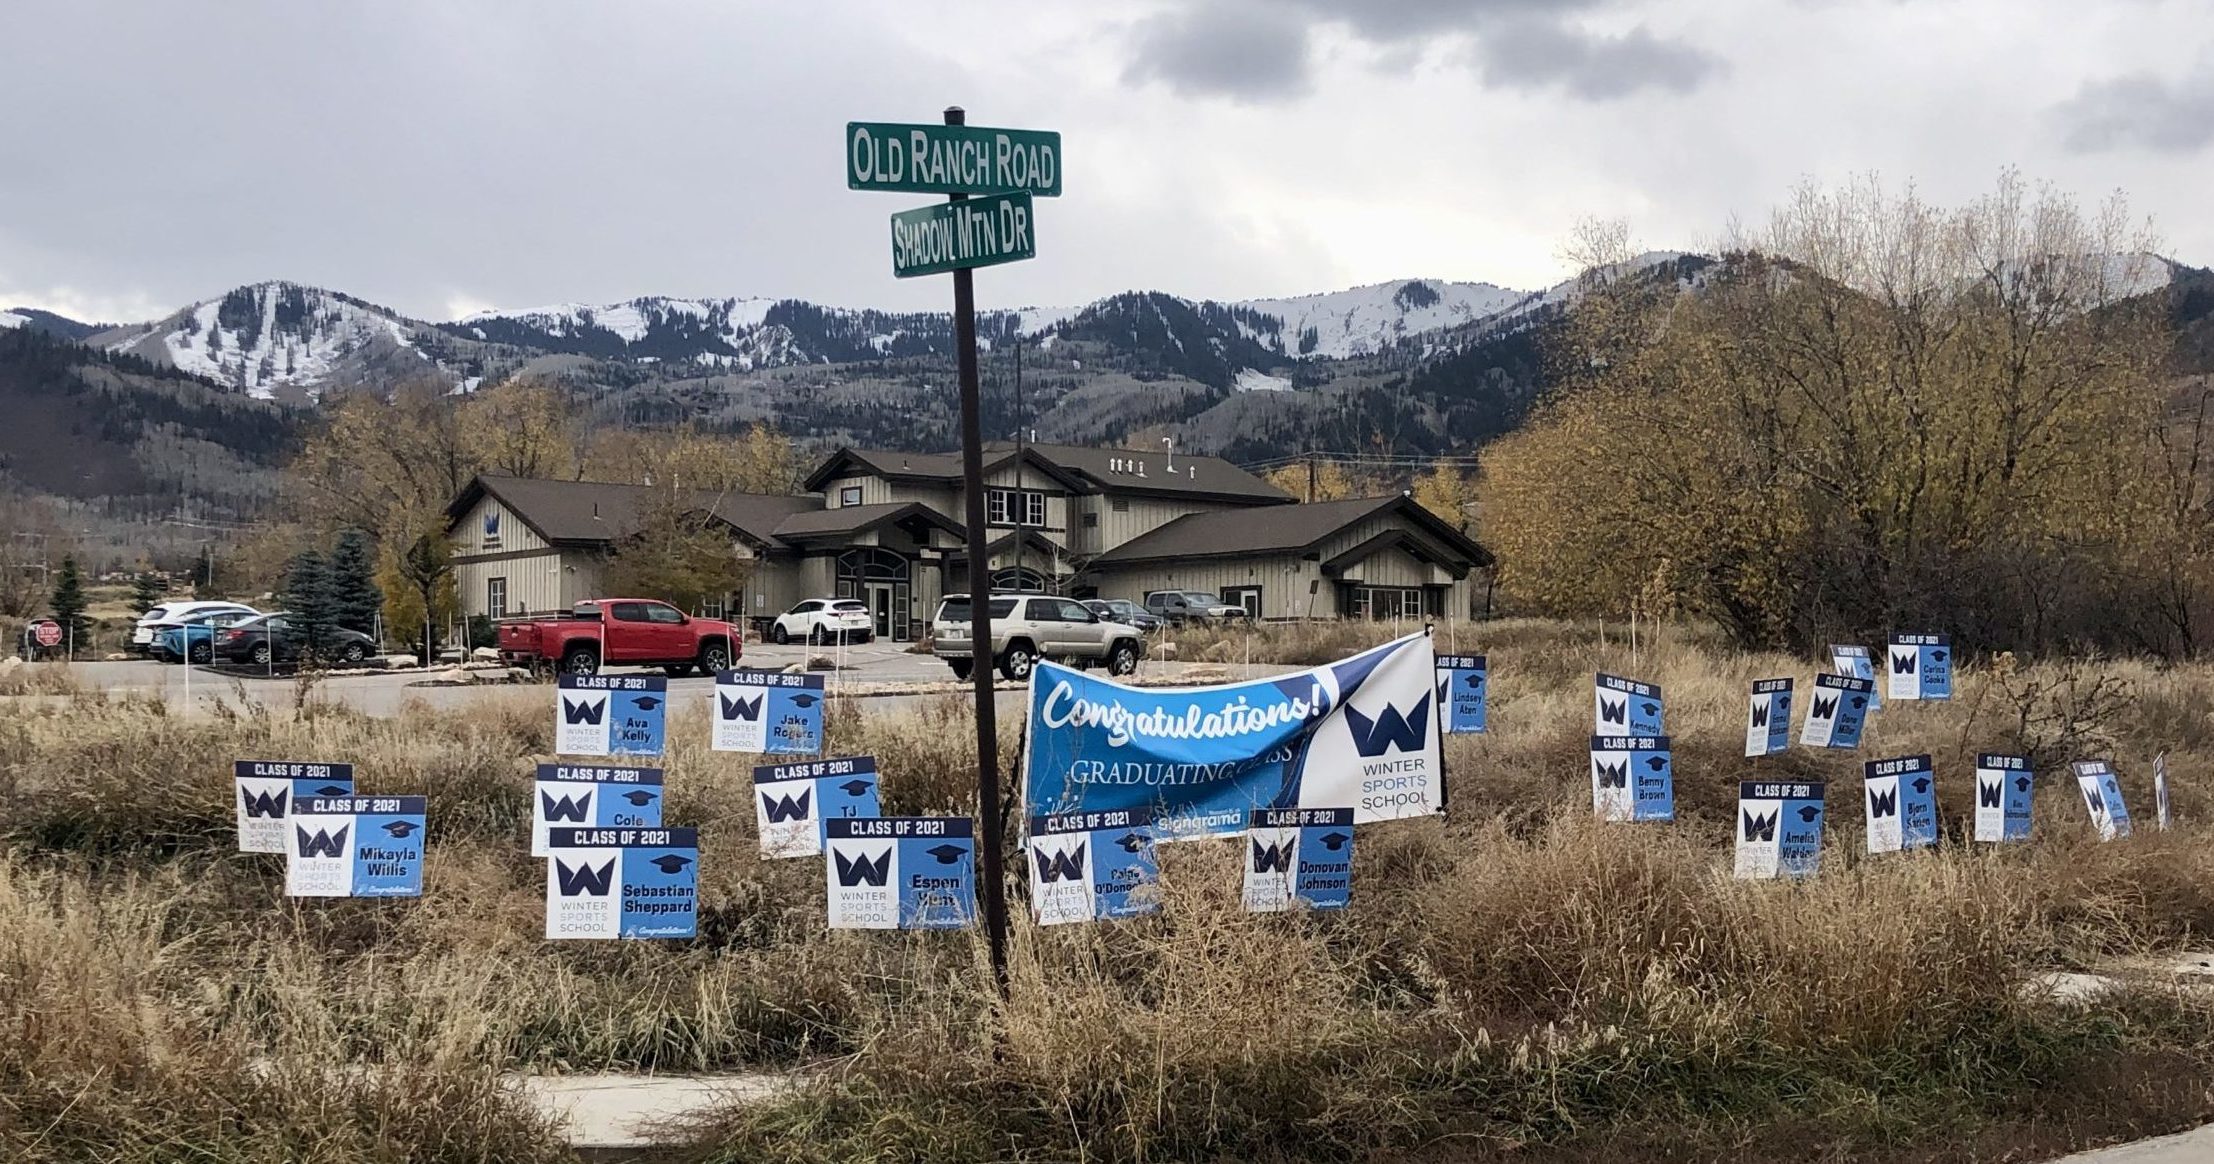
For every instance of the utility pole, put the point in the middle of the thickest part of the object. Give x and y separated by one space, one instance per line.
1022 504
1310 478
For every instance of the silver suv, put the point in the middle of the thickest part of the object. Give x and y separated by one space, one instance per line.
1028 627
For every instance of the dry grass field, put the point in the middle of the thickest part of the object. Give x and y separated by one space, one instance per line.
1514 982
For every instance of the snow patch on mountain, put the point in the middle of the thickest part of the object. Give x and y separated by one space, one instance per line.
1362 321
266 336
1250 380
11 319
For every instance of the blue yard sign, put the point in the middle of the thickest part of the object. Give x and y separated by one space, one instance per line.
610 715
1901 799
1626 707
2102 796
1921 667
768 711
1631 778
355 846
1299 857
1093 866
1464 690
593 796
901 872
1779 828
2002 797
1359 733
1837 711
1857 663
1768 727
792 802
266 788
622 883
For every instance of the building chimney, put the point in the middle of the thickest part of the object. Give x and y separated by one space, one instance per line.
1170 442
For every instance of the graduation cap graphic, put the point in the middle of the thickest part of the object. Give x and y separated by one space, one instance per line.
1809 812
1475 679
646 702
1938 655
1859 701
803 699
855 787
401 829
746 709
333 790
1335 841
638 797
1656 763
1130 842
2021 784
947 854
1649 708
1921 784
671 863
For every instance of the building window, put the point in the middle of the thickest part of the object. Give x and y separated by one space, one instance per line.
1383 602
712 607
1121 504
495 597
1010 507
1091 521
850 495
1248 597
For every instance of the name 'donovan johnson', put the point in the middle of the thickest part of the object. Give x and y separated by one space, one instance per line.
961 234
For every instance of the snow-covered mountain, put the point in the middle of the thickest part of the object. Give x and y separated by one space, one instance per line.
280 339
1366 320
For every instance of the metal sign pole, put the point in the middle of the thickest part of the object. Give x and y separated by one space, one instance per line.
980 614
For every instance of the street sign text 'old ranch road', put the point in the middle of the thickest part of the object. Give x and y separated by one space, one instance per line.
952 159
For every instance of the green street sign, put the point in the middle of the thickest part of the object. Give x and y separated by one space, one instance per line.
975 232
952 159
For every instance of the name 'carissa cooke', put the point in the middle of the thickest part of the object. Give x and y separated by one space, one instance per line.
1063 709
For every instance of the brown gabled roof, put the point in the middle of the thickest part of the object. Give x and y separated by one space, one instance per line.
600 512
1284 529
1079 469
852 519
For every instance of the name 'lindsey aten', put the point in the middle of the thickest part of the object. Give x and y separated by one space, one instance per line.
1063 709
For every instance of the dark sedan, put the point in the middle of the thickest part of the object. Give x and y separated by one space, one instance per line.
1126 612
275 638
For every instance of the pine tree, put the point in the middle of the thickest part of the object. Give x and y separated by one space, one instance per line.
146 592
307 598
69 606
355 598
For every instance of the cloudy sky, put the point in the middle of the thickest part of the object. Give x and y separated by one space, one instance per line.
441 156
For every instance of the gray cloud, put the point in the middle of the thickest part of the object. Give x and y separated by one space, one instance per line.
1536 55
1253 51
1242 49
2140 111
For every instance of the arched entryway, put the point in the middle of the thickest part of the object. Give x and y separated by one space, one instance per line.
881 579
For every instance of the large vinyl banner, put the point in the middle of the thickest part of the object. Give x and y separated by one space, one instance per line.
1360 733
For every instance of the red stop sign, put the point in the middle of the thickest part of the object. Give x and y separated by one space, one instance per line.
46 633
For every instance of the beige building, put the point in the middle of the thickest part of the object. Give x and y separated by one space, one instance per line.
885 528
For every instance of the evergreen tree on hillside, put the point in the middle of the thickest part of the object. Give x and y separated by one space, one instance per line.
146 592
355 598
69 606
308 597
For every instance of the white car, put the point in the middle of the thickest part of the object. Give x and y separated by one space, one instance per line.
824 620
171 614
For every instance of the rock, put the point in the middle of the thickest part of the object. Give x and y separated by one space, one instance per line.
1164 650
2060 986
486 654
821 663
400 661
114 657
2199 964
10 664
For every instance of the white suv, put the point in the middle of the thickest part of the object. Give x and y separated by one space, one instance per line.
169 614
824 620
1027 627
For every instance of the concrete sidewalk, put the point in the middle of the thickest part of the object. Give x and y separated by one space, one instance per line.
2184 1148
612 1115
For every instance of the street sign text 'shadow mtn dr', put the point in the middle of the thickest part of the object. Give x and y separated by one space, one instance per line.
952 159
976 232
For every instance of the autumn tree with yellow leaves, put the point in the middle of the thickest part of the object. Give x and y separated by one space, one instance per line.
1877 415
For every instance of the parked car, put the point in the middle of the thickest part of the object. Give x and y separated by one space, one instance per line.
1028 627
820 620
193 637
169 614
1181 606
275 638
635 632
1126 612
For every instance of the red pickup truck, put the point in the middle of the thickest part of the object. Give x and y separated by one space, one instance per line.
634 632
